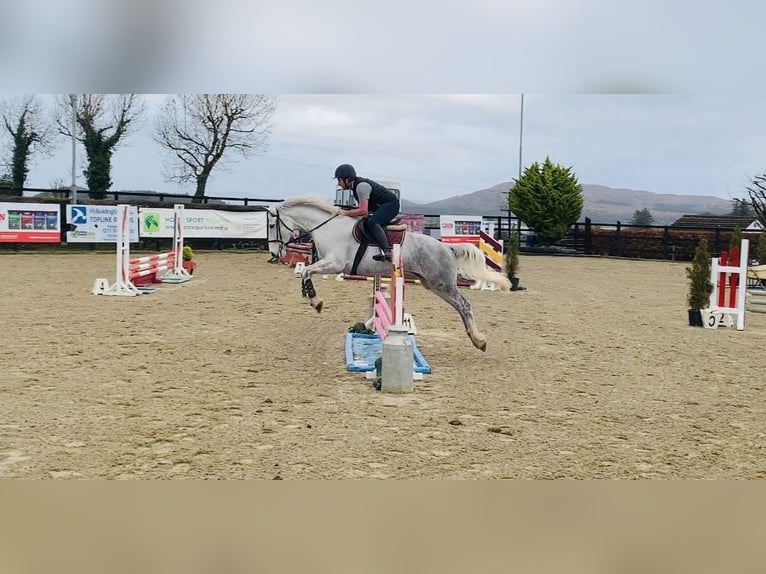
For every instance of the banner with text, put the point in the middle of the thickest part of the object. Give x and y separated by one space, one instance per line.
460 228
204 223
97 223
29 223
416 223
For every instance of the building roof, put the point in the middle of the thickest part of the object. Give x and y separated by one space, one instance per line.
718 221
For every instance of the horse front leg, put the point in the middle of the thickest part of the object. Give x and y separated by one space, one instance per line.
307 285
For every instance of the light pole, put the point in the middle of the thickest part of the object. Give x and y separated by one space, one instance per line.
521 130
73 189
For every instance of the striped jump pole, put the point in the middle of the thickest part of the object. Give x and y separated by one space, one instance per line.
148 269
387 313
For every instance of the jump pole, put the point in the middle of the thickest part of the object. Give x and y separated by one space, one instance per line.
127 269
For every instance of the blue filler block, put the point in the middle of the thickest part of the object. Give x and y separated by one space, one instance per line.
362 350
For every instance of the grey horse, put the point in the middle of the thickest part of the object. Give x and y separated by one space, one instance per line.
436 264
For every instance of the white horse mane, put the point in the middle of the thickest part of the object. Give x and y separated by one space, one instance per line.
312 201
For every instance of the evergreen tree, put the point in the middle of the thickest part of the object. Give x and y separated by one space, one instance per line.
548 198
698 274
642 217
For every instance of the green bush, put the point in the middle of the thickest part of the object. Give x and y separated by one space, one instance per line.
511 256
762 249
698 274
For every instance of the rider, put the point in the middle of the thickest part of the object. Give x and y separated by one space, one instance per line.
375 201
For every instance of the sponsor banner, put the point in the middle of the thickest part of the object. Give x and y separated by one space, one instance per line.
30 223
416 223
204 223
460 228
97 223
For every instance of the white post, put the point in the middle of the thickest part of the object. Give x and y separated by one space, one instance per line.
740 271
398 359
122 284
742 283
398 318
178 270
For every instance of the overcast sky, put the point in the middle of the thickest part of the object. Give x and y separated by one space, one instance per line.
711 142
438 146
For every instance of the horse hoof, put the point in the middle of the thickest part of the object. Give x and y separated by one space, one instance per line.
480 344
478 340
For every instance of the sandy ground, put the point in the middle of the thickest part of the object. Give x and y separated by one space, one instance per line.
592 372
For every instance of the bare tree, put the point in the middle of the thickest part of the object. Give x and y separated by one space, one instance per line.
199 129
103 121
756 193
30 131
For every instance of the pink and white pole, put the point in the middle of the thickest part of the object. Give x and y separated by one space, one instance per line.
385 314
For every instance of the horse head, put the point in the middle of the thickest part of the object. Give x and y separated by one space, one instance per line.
295 217
279 232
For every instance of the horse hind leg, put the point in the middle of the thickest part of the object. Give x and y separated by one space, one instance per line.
452 295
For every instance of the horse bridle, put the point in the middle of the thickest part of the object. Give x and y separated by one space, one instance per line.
278 240
293 237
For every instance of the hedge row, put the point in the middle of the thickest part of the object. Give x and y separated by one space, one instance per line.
663 243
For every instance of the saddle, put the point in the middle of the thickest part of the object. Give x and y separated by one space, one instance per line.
395 231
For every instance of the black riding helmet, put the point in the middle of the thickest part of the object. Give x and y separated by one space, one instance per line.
346 171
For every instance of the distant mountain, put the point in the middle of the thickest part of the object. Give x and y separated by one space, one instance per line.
602 204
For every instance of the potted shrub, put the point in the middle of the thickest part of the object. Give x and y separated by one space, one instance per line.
761 249
186 259
511 260
700 286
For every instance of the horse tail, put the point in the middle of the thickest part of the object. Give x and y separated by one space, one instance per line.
470 264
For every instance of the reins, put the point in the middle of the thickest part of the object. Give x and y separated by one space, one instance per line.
295 238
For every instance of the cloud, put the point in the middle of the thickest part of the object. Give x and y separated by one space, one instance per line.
447 144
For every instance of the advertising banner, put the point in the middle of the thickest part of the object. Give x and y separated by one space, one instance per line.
416 223
97 223
30 223
460 228
204 223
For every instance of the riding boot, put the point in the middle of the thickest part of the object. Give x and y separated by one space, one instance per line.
380 238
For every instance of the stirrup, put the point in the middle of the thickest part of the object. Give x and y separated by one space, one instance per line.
385 256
